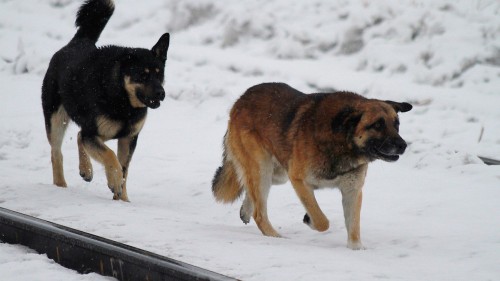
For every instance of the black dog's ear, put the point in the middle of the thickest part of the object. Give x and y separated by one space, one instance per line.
161 47
400 106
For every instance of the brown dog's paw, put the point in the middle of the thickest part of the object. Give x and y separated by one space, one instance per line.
244 215
323 226
307 220
60 183
355 245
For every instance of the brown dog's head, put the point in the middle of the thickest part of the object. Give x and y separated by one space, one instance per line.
374 128
377 133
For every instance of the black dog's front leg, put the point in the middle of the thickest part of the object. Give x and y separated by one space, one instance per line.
95 147
126 148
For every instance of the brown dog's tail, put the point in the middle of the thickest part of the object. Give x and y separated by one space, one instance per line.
226 186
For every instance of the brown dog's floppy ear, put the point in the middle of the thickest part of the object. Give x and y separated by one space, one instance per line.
161 47
345 121
400 106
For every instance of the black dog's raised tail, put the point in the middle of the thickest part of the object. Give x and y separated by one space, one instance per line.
92 17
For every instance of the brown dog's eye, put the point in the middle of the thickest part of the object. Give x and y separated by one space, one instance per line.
378 126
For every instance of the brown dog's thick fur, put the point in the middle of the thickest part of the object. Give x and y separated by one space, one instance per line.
316 140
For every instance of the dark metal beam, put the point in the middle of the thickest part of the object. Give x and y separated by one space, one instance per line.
86 253
489 161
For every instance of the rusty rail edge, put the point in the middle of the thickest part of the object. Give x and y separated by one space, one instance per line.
87 253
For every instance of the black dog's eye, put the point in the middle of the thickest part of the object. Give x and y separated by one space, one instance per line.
378 126
144 75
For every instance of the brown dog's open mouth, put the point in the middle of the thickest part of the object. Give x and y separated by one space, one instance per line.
385 156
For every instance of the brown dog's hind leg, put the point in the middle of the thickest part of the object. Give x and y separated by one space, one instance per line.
257 170
246 210
261 184
55 133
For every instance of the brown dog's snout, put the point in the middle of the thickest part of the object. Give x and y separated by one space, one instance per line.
399 144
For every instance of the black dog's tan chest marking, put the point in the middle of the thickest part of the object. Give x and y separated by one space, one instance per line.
137 126
108 128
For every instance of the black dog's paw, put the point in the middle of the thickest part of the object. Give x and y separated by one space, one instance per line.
307 219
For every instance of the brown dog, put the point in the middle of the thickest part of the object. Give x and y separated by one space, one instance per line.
317 140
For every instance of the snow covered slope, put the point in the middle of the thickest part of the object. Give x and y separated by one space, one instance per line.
433 215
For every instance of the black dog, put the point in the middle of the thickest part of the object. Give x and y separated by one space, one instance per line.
106 91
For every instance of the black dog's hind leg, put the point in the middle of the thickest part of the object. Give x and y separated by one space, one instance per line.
85 165
56 122
95 147
126 148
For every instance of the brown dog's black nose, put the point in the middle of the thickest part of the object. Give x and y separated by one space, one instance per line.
400 145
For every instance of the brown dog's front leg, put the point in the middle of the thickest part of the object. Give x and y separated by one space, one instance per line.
351 201
314 217
352 197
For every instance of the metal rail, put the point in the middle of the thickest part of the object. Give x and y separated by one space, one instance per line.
86 253
489 161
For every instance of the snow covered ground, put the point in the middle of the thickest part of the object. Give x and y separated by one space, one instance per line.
433 215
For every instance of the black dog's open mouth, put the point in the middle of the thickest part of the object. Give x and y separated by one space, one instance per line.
153 103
